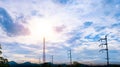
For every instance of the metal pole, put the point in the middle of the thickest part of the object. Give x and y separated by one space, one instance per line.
107 51
70 58
44 57
0 49
52 58
39 60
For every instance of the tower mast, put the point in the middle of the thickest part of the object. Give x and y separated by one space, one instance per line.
44 57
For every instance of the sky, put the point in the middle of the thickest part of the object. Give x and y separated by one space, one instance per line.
65 24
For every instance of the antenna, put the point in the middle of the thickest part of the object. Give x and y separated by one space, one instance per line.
104 43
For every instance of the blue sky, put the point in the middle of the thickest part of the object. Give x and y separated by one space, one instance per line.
66 24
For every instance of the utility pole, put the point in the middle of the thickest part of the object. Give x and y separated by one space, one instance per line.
39 60
0 50
52 58
70 56
44 57
105 43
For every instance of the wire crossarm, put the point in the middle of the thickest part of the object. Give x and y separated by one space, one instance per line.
106 47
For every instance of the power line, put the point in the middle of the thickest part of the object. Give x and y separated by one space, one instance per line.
44 56
70 56
52 57
105 43
0 49
39 60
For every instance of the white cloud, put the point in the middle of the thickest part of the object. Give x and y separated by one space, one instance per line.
71 16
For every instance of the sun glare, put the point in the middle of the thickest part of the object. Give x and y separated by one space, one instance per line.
40 27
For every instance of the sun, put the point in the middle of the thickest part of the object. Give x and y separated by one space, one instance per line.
41 27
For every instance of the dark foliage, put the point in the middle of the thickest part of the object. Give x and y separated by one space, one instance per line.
28 64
